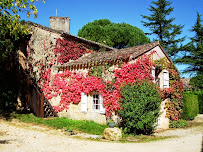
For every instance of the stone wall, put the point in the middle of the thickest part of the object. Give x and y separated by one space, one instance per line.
74 112
40 48
163 121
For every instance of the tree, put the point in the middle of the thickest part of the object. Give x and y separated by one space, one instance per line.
12 29
163 27
193 51
197 82
117 35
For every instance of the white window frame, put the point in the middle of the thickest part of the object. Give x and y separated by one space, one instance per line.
153 74
97 103
166 78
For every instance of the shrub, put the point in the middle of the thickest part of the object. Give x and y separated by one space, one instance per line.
178 124
200 100
140 105
191 106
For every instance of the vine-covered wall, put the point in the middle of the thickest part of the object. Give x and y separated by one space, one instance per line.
48 50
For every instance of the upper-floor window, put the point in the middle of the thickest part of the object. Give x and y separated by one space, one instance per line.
166 78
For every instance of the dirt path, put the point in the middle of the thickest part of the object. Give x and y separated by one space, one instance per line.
21 137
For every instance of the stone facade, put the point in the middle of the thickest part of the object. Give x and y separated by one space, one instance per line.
40 49
74 112
163 121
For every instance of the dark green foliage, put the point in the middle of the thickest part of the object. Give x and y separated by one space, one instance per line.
200 100
191 106
197 82
162 26
141 106
193 51
60 123
120 35
178 124
8 85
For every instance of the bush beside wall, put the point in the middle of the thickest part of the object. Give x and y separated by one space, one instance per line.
191 106
140 105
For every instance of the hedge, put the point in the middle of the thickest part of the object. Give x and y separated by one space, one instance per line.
191 106
200 100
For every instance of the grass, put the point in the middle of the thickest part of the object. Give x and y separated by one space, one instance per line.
89 127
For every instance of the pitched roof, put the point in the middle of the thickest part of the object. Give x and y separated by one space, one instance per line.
107 56
77 38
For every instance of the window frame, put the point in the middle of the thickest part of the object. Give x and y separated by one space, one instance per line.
97 97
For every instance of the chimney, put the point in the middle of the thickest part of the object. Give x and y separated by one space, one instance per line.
60 23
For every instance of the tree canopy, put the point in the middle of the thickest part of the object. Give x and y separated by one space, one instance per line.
162 26
11 28
193 51
117 35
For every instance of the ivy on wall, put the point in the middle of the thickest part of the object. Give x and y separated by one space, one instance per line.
174 92
69 85
68 50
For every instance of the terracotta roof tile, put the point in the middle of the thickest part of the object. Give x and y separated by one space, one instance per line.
127 53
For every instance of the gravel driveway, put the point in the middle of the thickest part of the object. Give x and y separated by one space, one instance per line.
22 137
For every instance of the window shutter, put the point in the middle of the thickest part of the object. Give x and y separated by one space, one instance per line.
102 108
153 73
83 103
166 79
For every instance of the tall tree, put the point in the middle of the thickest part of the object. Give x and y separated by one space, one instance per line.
193 51
118 35
162 26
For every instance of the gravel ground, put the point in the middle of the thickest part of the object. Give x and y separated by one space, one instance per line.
22 137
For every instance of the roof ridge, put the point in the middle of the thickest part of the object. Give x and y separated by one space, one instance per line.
63 33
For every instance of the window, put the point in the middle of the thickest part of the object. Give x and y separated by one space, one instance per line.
97 103
166 78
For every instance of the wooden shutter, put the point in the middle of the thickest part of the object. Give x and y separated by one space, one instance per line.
83 103
102 108
166 78
153 74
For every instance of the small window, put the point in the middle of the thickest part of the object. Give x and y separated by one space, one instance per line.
166 79
97 103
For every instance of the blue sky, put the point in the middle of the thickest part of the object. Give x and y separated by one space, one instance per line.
129 11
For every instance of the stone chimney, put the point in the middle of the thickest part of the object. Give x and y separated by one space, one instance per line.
60 23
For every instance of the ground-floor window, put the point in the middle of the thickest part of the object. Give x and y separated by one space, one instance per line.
97 103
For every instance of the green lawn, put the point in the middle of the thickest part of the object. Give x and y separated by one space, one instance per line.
58 123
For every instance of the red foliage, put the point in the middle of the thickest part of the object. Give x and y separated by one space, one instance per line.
68 50
70 85
130 73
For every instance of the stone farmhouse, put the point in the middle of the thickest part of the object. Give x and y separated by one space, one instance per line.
38 55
